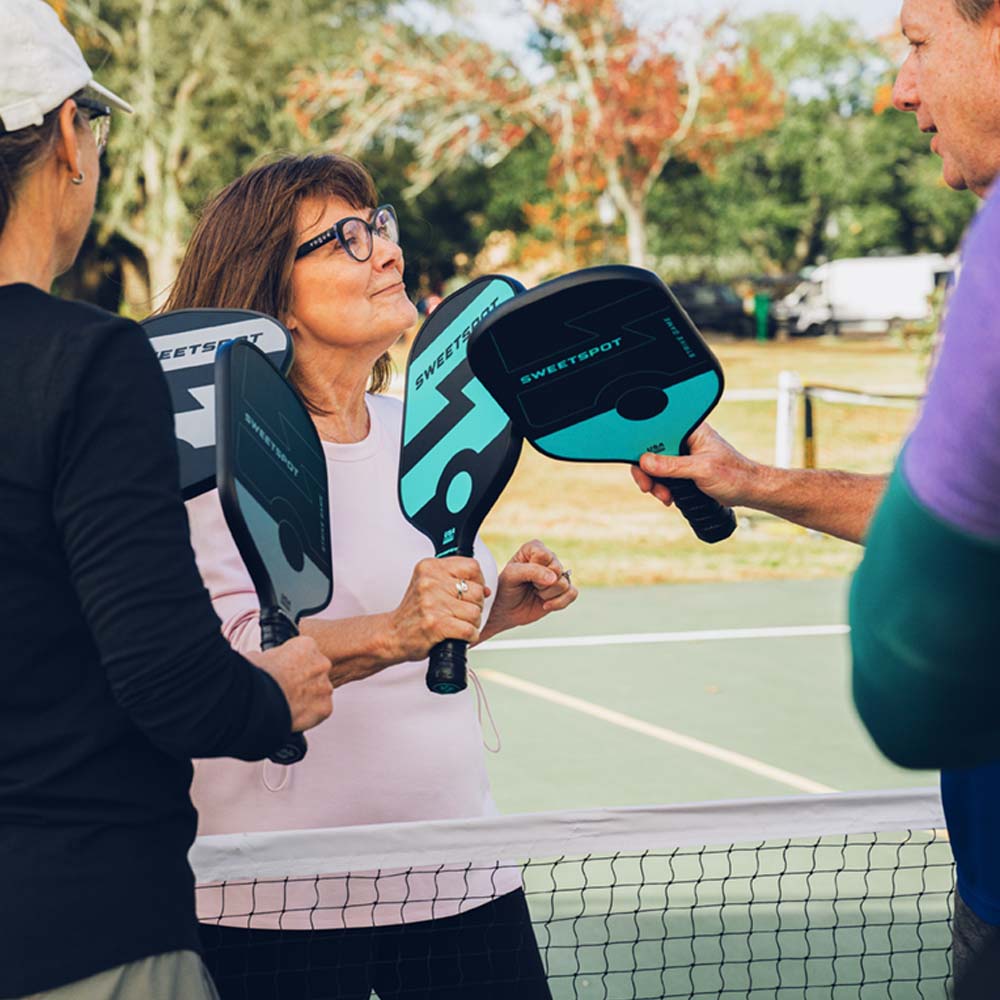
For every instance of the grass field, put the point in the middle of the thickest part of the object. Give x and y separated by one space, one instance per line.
612 535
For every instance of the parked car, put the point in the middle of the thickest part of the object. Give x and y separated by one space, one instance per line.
864 294
714 307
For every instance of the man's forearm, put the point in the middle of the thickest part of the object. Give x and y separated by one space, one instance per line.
836 503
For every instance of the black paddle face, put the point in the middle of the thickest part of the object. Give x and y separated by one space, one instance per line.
458 449
603 365
186 342
273 483
599 365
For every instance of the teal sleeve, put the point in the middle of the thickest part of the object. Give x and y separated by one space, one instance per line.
925 610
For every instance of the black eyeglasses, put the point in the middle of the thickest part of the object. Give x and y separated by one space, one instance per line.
99 118
356 235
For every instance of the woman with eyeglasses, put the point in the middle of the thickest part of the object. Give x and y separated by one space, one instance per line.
306 240
113 673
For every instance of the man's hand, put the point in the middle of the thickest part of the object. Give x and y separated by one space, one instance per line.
714 466
303 674
837 503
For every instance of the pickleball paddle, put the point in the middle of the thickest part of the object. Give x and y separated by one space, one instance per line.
186 342
458 449
602 365
272 480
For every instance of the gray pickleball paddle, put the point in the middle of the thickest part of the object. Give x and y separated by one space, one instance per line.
272 480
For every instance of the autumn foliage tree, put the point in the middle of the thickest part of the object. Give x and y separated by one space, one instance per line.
616 101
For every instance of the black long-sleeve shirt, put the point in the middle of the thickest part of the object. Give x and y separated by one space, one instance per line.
113 672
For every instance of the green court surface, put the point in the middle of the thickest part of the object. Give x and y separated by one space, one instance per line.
664 717
829 921
615 702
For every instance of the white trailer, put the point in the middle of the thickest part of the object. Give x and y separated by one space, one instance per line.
864 294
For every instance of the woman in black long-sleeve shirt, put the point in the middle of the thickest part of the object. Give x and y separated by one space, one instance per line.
113 672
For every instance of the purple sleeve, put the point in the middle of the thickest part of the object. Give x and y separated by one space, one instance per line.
952 460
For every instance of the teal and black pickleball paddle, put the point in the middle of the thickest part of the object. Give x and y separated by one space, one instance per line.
271 473
458 449
602 365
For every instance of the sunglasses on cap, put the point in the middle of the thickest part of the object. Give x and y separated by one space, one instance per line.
98 117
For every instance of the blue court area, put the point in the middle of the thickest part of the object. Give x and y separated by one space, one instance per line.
680 693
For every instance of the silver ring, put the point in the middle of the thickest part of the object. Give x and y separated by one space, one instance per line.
566 573
461 586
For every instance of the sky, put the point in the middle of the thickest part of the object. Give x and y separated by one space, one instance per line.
877 17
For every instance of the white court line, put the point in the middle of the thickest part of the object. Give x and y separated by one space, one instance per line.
745 763
640 638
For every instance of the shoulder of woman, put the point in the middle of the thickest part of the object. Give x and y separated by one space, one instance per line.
80 340
72 319
387 409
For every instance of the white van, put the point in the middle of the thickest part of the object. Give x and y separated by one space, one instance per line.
864 294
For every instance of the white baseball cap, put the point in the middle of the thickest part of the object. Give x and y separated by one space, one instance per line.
41 65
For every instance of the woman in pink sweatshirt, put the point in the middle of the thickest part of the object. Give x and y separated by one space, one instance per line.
304 239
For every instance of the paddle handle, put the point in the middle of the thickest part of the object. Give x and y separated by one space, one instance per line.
275 629
446 667
709 520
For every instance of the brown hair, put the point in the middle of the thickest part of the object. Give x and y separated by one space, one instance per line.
20 151
243 248
974 10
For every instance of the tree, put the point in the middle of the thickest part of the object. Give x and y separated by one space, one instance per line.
616 103
208 80
843 174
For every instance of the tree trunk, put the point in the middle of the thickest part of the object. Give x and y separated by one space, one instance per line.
809 243
162 263
135 289
635 233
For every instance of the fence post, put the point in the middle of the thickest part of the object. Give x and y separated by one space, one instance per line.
789 388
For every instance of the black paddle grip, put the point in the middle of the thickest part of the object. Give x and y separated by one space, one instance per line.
446 668
710 521
276 629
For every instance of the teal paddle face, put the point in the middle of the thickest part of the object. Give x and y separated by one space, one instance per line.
458 449
599 365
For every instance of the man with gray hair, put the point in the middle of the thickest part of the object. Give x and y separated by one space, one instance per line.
949 475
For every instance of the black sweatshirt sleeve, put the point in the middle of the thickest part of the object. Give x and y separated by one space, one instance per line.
117 507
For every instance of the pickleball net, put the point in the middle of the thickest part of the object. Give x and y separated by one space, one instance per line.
834 896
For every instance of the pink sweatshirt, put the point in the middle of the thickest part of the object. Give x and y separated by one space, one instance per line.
391 752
